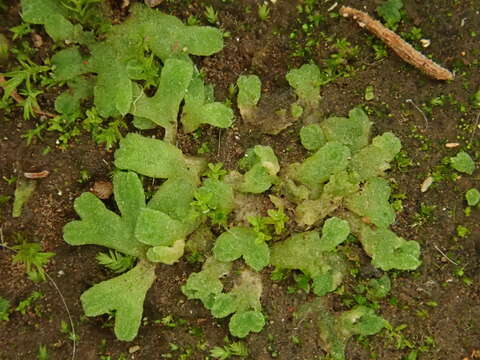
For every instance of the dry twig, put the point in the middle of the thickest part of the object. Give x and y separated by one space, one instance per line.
397 44
444 255
36 175
419 110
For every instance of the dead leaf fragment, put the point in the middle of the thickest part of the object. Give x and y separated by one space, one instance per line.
23 191
153 3
37 40
426 184
133 349
452 145
102 189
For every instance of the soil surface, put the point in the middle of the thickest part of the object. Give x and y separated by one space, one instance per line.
435 309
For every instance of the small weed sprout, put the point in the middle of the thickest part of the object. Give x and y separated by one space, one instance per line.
229 350
27 303
263 12
42 353
115 261
32 256
4 309
211 15
192 21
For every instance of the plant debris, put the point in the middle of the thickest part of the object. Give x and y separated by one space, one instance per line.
397 44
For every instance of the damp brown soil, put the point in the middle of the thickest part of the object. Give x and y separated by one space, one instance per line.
438 305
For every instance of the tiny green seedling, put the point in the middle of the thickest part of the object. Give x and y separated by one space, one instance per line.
20 31
116 261
42 353
473 197
229 350
263 12
67 330
211 15
4 309
463 162
389 10
25 304
32 257
462 231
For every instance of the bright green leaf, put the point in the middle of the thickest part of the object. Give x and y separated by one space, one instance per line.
205 285
379 288
156 228
174 198
241 324
168 37
334 232
462 162
224 305
472 196
163 107
68 64
328 160
389 10
68 102
375 158
32 256
249 89
362 320
372 202
52 15
129 196
124 295
312 137
167 254
353 131
4 309
199 110
306 81
100 226
262 167
150 157
305 252
240 241
389 251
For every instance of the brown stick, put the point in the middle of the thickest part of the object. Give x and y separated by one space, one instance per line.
397 44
